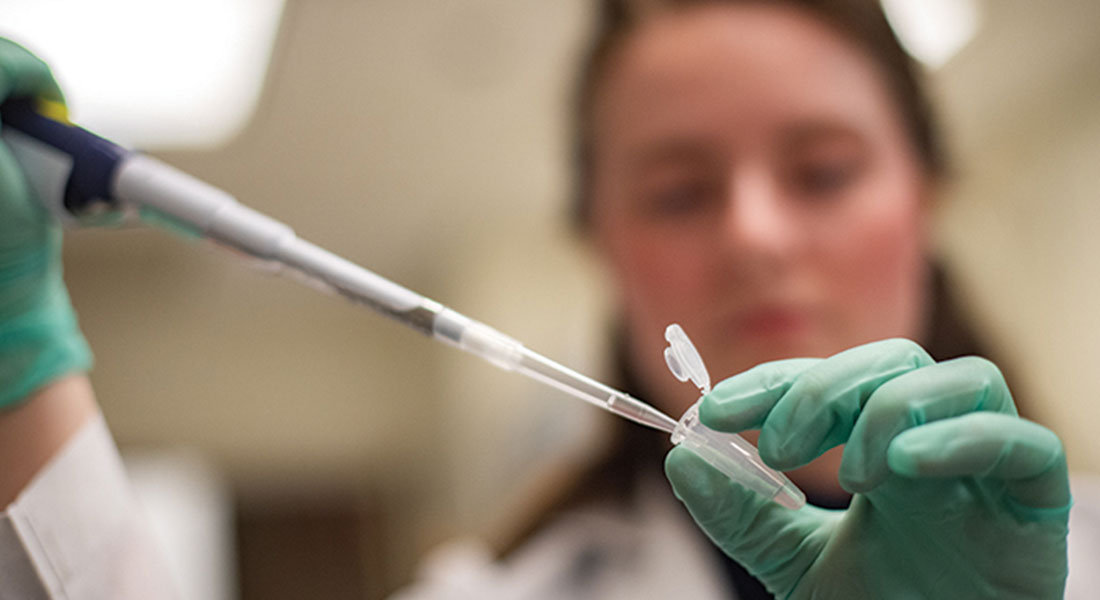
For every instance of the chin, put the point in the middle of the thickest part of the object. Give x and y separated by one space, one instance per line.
740 356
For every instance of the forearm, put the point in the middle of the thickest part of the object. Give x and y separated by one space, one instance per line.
33 432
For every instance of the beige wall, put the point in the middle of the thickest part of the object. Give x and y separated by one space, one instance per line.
424 140
1023 102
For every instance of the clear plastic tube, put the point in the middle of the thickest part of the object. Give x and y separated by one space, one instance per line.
728 452
736 458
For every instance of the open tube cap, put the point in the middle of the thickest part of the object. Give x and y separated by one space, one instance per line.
684 360
727 452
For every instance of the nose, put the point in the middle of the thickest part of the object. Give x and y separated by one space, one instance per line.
757 221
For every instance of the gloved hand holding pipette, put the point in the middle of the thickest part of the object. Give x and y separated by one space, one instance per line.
955 496
39 338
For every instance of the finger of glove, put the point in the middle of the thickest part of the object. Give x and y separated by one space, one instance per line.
24 74
939 391
29 242
774 543
1028 456
23 223
743 401
820 407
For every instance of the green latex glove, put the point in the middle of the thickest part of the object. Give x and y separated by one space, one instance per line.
955 496
39 337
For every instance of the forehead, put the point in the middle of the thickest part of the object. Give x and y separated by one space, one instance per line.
744 68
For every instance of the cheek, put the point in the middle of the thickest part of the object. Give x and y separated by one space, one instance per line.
875 271
657 278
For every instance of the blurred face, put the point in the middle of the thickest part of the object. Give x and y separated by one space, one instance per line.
753 182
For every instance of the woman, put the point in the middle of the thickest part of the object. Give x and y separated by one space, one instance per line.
763 173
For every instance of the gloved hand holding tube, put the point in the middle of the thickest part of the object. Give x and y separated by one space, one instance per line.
955 496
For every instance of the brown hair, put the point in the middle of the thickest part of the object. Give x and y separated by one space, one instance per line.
860 21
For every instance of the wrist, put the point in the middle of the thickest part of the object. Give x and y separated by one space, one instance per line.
32 433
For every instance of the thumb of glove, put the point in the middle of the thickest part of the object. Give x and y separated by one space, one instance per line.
775 544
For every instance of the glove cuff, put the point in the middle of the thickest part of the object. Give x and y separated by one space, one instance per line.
39 347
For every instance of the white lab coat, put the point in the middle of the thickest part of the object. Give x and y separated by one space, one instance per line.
77 533
651 551
657 553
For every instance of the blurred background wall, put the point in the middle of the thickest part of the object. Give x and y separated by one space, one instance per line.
427 141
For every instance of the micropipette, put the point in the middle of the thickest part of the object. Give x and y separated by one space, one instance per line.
83 179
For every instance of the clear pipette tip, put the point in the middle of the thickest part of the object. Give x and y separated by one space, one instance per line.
567 380
728 452
640 412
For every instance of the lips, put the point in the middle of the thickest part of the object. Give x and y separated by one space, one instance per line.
771 321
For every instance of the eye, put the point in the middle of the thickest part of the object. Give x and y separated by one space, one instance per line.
682 199
826 176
